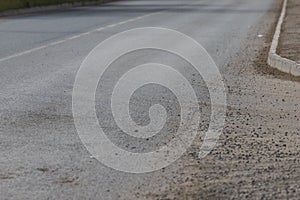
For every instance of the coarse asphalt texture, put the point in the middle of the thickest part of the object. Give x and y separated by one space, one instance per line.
42 157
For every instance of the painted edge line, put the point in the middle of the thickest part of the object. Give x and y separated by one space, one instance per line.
75 37
275 60
82 34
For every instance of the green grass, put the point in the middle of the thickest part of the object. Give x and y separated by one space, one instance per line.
15 4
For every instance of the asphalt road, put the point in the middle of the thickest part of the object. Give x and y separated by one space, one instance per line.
42 157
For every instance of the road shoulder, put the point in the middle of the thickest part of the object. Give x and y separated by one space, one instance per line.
40 9
289 42
284 52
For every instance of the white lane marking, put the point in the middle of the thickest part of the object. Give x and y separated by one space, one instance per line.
74 37
84 34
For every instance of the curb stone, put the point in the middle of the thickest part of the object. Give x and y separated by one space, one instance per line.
23 11
275 60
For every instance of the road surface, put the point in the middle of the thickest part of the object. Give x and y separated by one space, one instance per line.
42 157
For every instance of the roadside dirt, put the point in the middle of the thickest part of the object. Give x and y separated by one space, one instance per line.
289 43
258 153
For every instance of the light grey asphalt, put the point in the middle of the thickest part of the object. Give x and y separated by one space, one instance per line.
42 156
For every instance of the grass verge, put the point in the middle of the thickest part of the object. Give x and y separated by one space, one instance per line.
17 4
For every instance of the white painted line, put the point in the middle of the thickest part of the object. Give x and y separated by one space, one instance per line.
74 37
85 33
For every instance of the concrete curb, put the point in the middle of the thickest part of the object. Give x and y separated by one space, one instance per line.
275 60
33 10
